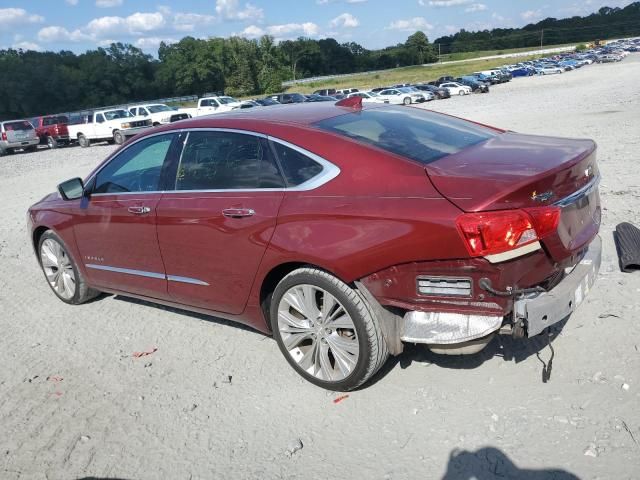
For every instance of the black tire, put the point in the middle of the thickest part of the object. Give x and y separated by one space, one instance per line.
52 143
118 137
2 152
83 292
83 141
407 101
373 351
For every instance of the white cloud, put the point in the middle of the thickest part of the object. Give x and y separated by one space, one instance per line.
72 2
346 20
412 24
325 2
530 15
497 17
476 7
107 3
230 10
56 34
26 46
17 16
445 3
252 31
187 22
284 31
152 43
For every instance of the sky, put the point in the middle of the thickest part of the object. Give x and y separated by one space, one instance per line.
79 25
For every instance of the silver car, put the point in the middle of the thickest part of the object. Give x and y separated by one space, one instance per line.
16 134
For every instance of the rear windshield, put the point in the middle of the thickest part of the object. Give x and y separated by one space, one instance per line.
21 125
410 132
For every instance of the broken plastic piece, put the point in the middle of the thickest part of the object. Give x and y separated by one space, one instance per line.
145 353
627 239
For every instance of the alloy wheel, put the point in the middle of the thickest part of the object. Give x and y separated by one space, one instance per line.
318 332
58 269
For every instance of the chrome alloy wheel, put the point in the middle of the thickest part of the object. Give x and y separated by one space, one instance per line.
318 332
57 268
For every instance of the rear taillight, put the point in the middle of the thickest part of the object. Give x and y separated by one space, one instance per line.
490 233
4 136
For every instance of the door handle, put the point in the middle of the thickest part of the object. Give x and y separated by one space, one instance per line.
139 210
238 212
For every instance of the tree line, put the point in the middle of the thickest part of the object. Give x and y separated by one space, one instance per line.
36 83
605 23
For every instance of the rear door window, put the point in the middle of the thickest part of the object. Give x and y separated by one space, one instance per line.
18 126
213 160
413 133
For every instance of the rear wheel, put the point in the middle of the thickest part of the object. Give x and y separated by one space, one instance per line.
461 93
61 271
407 101
118 137
84 141
326 330
52 142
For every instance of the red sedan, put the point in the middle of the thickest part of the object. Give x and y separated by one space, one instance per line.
343 230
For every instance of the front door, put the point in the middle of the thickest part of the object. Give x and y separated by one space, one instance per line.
116 231
214 227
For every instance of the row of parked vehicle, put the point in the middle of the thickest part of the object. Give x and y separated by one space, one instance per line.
116 124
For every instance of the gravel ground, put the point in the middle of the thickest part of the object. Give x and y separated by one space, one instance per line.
219 401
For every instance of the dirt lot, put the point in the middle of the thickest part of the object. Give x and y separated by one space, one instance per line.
219 401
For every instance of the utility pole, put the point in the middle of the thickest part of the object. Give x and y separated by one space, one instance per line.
541 37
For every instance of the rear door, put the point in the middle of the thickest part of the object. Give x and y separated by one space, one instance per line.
116 225
215 225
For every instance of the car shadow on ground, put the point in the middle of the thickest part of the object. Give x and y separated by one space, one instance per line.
504 346
490 463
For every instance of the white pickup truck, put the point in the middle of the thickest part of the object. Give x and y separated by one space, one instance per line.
210 105
159 113
113 126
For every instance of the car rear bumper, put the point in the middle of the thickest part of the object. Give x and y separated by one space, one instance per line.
537 310
541 310
20 144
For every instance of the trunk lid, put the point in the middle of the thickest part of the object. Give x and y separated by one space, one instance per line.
513 171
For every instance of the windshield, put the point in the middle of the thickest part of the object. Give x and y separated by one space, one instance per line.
158 108
114 114
226 100
410 132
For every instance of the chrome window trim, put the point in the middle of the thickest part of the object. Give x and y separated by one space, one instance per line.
583 192
143 273
328 173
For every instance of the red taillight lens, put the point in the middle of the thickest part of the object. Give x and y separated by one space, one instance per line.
490 233
4 136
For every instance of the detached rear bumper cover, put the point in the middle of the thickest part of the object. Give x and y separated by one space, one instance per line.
542 310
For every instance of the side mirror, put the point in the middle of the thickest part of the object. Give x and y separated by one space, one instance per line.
71 189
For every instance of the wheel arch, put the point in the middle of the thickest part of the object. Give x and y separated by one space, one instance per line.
273 277
36 236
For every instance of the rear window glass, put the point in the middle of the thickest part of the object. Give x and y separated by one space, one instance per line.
410 132
297 168
15 126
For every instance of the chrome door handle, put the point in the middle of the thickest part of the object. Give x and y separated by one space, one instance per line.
238 212
139 210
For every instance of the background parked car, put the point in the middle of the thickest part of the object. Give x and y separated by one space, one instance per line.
320 98
401 96
475 84
456 88
325 91
368 97
210 105
288 97
110 125
17 134
266 102
438 92
159 113
52 130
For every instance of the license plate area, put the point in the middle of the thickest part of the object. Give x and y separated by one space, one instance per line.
580 220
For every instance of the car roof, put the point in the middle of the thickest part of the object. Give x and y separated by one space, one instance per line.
300 114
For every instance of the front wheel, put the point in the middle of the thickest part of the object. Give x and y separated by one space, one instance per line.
326 330
118 137
461 93
61 271
407 101
52 142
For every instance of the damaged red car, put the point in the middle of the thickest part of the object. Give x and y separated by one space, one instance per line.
344 230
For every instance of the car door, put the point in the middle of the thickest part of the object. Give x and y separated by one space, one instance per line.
215 225
116 223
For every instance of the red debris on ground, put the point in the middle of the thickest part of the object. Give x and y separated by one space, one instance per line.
339 399
145 353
